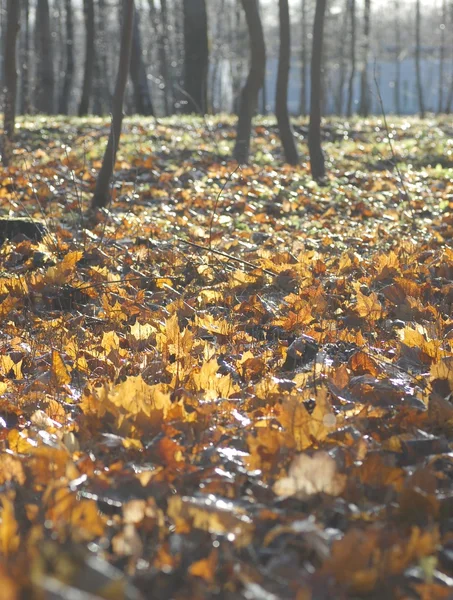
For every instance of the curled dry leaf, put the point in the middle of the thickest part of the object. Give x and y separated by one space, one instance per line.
309 475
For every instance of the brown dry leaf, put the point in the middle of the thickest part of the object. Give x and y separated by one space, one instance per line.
360 364
9 528
9 367
8 584
65 509
264 447
59 274
311 475
440 413
59 370
354 561
307 429
206 567
213 386
375 473
134 396
11 469
368 307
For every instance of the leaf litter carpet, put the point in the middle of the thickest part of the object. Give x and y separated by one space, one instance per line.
238 384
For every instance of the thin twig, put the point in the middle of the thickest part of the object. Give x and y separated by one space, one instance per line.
227 256
392 149
222 189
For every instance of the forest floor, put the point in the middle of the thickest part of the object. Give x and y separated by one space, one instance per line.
238 384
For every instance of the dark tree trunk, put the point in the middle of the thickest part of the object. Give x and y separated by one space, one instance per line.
102 95
281 95
63 107
364 108
25 60
163 58
196 56
317 164
418 19
12 29
342 63
255 79
449 102
159 23
303 59
397 89
45 80
101 194
142 96
88 13
440 106
352 57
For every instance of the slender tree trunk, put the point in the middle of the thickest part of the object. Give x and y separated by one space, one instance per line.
303 59
142 96
342 62
263 92
25 59
318 169
102 95
442 49
63 107
12 29
196 56
281 95
255 79
159 24
418 19
364 108
449 102
45 79
352 58
88 13
397 88
101 193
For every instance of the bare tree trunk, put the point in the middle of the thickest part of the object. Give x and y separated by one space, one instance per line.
255 79
352 58
397 88
364 108
281 95
418 19
449 102
102 95
317 164
63 107
303 59
88 13
25 60
342 62
12 29
45 79
142 96
442 49
196 56
101 194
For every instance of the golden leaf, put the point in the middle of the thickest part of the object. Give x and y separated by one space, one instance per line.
59 371
368 307
9 528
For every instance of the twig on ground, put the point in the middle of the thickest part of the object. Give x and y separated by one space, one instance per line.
241 261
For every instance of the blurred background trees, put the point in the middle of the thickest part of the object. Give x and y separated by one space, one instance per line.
193 56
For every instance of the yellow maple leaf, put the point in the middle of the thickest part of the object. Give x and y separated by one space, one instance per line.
368 307
59 370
